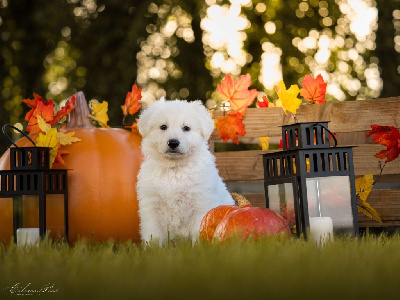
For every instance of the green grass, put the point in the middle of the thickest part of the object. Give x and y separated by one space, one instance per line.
365 268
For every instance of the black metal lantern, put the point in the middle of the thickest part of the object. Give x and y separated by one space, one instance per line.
310 183
30 174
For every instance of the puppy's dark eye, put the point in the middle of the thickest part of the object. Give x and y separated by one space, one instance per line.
186 128
163 127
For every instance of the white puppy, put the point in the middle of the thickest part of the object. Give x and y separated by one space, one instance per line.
178 182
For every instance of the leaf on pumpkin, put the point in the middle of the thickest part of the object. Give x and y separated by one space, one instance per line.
67 138
264 142
43 109
49 139
58 159
289 99
364 186
44 127
388 136
230 127
32 103
313 90
132 104
99 113
366 209
237 92
65 110
134 127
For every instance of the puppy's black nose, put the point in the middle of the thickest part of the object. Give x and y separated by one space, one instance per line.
173 143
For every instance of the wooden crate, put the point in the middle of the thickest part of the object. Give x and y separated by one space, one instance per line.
243 170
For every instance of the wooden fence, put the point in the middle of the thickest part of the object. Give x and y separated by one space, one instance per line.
350 121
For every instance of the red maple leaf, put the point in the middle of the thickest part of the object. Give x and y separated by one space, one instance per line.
65 110
230 127
313 90
32 103
264 103
43 109
132 104
388 136
237 92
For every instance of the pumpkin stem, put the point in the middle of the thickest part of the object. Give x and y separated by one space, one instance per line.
78 117
240 200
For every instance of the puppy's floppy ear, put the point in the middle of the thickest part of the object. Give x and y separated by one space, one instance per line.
144 121
205 120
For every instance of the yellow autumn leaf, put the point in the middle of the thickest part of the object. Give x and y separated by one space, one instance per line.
366 209
99 113
289 99
264 142
278 103
45 127
49 139
364 186
67 138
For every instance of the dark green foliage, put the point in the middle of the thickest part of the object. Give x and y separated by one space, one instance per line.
101 49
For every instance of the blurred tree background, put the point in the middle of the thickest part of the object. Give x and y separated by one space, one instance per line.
182 49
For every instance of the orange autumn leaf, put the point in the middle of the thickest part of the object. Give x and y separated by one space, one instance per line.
313 90
134 128
132 104
65 110
388 136
45 111
32 103
237 92
58 159
230 127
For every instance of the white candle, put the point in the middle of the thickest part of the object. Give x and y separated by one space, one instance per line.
27 236
321 229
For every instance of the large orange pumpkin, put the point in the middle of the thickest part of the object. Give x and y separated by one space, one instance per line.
101 184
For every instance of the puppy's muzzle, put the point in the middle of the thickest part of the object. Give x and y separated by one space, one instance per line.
173 144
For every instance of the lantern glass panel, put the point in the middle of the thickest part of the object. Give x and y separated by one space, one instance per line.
281 201
331 197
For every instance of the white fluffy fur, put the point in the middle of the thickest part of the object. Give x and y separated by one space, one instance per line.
175 190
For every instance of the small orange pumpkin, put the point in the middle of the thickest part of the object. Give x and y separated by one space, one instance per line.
101 184
251 222
211 220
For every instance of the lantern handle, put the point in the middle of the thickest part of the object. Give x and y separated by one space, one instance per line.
20 131
330 132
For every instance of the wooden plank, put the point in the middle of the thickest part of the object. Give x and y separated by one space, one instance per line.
248 165
240 165
346 116
386 202
257 200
